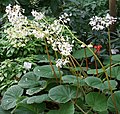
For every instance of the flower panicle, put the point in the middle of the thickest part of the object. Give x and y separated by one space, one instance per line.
100 23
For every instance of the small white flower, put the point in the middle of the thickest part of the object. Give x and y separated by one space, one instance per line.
65 17
62 62
8 9
114 51
38 34
65 48
59 63
99 23
27 65
90 45
37 15
83 45
109 20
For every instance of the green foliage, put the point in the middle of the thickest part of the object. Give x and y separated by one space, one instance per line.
82 53
86 84
29 109
116 57
67 108
38 99
97 101
115 72
2 111
62 94
93 71
31 81
46 71
110 101
11 96
71 79
99 84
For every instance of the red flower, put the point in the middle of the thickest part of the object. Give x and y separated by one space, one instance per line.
98 48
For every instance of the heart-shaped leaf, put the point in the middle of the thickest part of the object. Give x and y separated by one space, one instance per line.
97 101
62 93
34 90
41 58
71 79
115 72
11 96
38 99
23 108
93 71
67 108
94 82
116 57
46 71
82 53
97 83
29 80
4 111
113 102
112 85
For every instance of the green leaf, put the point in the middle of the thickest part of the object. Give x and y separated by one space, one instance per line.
79 54
38 99
113 84
24 2
93 71
97 83
23 108
94 82
4 111
116 57
11 96
62 93
71 79
97 101
115 72
67 108
103 112
43 58
114 100
46 71
29 80
34 90
7 2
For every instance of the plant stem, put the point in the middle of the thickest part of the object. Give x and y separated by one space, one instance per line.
50 61
110 50
79 66
86 59
77 91
109 43
96 66
79 108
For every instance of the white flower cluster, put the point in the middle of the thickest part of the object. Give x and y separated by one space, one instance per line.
56 27
37 15
65 17
21 26
61 45
99 23
15 16
62 62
